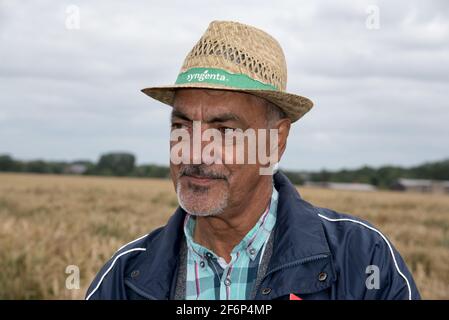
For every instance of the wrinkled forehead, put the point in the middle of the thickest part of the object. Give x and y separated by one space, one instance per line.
204 104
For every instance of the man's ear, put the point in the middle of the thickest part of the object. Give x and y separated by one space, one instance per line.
283 127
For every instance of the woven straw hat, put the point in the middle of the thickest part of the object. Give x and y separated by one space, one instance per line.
238 57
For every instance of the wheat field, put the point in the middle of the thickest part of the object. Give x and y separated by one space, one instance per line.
48 222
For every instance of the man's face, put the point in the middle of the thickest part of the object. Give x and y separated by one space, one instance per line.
208 189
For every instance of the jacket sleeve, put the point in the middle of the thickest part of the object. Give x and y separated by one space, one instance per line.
395 280
367 264
108 284
373 268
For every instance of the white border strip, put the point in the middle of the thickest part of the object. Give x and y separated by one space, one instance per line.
110 268
146 235
385 239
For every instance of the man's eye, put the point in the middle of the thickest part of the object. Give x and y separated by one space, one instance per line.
178 126
225 129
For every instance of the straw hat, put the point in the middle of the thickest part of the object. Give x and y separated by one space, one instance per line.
237 57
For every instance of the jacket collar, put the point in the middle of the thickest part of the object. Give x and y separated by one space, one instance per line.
299 237
299 233
301 252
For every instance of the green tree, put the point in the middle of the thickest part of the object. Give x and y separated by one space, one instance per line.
117 164
7 163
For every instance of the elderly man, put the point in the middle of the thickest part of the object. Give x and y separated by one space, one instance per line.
242 231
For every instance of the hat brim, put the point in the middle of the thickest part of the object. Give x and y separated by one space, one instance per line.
294 106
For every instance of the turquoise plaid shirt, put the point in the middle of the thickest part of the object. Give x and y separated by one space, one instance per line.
209 277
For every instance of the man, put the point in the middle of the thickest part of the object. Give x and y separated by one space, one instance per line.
242 232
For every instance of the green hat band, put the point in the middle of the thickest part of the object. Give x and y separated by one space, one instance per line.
221 77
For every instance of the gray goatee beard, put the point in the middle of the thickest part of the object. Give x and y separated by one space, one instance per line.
189 202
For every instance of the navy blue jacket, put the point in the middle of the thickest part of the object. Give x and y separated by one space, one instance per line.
317 254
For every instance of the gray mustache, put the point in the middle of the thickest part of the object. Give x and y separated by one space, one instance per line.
201 171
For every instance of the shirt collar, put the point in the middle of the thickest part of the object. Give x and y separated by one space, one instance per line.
251 244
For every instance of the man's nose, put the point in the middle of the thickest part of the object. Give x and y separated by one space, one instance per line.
197 144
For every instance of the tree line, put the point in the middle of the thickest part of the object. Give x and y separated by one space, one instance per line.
109 164
124 164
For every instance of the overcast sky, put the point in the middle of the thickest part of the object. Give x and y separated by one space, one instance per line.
381 94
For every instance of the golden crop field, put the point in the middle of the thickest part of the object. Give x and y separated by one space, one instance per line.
48 222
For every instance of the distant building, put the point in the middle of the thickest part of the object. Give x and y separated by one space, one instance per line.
76 168
421 185
342 186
